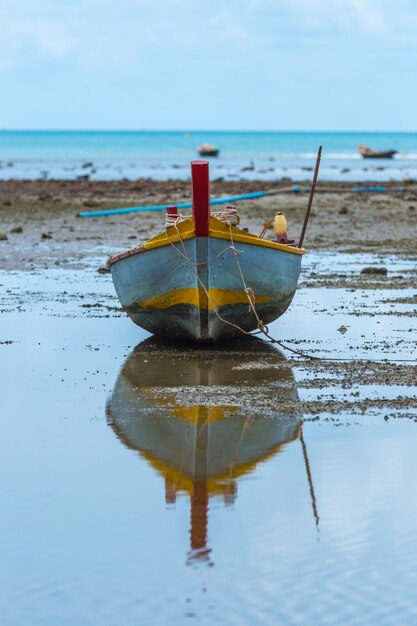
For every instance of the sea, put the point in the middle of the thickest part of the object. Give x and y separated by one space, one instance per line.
162 155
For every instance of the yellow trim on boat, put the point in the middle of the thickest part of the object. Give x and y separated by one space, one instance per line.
183 230
218 230
192 295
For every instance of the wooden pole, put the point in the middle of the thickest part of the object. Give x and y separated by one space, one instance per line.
310 199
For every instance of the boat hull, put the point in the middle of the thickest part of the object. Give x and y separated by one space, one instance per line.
380 155
208 153
162 292
370 153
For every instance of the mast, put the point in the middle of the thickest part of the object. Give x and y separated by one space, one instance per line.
199 497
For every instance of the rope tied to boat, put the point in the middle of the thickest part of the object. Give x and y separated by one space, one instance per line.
229 216
193 267
263 328
172 220
251 296
248 290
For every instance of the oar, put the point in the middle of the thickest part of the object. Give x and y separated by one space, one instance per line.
163 207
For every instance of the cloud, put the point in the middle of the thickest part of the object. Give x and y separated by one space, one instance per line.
359 14
48 36
100 35
338 15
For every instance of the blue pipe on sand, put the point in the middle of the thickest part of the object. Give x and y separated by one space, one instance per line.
297 189
163 207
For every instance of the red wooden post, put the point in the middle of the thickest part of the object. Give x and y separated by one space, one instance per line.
172 211
201 197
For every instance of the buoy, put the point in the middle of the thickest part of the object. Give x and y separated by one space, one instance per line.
280 228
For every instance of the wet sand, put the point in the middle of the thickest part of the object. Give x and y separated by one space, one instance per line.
39 227
361 269
187 467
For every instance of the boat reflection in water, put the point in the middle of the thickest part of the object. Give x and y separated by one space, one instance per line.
203 417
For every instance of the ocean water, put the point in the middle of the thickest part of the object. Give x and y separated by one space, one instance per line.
106 155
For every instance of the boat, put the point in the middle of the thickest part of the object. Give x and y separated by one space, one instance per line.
207 150
370 153
198 417
204 278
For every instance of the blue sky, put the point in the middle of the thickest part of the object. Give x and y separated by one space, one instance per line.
189 64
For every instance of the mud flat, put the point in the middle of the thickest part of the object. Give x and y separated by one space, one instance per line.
358 286
108 470
39 227
362 336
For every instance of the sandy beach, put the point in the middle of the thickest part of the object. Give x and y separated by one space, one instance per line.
356 242
40 227
100 414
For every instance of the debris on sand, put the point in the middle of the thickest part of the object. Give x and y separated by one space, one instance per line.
379 271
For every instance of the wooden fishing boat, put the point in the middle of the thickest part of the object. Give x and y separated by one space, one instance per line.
173 406
204 278
207 150
370 153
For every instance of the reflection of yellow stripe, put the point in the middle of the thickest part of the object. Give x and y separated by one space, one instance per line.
218 297
216 483
194 413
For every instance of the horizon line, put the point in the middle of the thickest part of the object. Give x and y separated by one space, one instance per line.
195 130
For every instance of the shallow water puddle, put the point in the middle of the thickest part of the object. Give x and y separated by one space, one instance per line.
149 483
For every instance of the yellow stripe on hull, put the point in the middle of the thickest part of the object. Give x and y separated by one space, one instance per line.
198 298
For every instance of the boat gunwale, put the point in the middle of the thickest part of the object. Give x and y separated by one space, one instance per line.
171 236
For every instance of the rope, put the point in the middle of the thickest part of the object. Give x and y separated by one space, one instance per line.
192 266
173 220
251 301
229 215
265 331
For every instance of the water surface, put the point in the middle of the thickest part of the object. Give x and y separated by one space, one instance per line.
109 155
146 483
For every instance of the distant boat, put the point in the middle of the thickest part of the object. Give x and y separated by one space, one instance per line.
207 150
370 153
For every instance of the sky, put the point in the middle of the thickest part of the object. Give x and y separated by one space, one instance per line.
189 64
